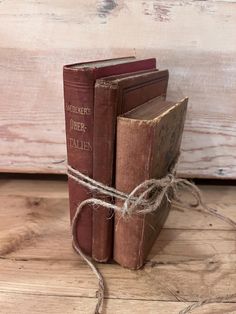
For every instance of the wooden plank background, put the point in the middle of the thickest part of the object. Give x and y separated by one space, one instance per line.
194 39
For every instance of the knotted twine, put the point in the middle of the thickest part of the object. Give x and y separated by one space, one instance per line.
146 198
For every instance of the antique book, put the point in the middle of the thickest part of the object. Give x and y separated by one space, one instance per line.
114 96
79 80
148 144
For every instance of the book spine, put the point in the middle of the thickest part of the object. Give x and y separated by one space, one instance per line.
78 100
104 137
133 139
109 102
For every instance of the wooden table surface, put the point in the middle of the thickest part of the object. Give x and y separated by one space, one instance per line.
193 258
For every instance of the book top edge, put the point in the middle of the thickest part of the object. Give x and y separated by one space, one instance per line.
102 63
153 110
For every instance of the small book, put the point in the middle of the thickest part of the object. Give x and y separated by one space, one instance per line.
115 95
79 80
148 144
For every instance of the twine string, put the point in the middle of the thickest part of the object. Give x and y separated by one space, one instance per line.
145 198
198 304
75 243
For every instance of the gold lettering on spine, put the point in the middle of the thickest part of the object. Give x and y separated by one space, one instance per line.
80 145
77 126
84 111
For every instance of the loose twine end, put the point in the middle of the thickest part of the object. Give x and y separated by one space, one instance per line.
146 198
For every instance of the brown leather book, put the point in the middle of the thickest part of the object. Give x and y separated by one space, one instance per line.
148 144
114 96
79 80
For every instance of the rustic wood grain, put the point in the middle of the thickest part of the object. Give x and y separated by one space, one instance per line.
35 231
194 39
29 304
40 272
188 280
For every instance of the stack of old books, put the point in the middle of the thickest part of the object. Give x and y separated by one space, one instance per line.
120 131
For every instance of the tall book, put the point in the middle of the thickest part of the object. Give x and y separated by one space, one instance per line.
148 143
79 81
114 96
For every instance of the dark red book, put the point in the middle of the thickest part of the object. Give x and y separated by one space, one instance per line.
115 96
79 80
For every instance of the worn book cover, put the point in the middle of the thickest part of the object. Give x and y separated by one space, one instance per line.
148 143
79 80
114 96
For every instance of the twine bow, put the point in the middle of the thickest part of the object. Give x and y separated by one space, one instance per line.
145 198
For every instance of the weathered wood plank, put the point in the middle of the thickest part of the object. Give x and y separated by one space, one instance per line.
27 304
30 230
37 304
40 272
189 280
33 226
33 188
171 246
194 39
